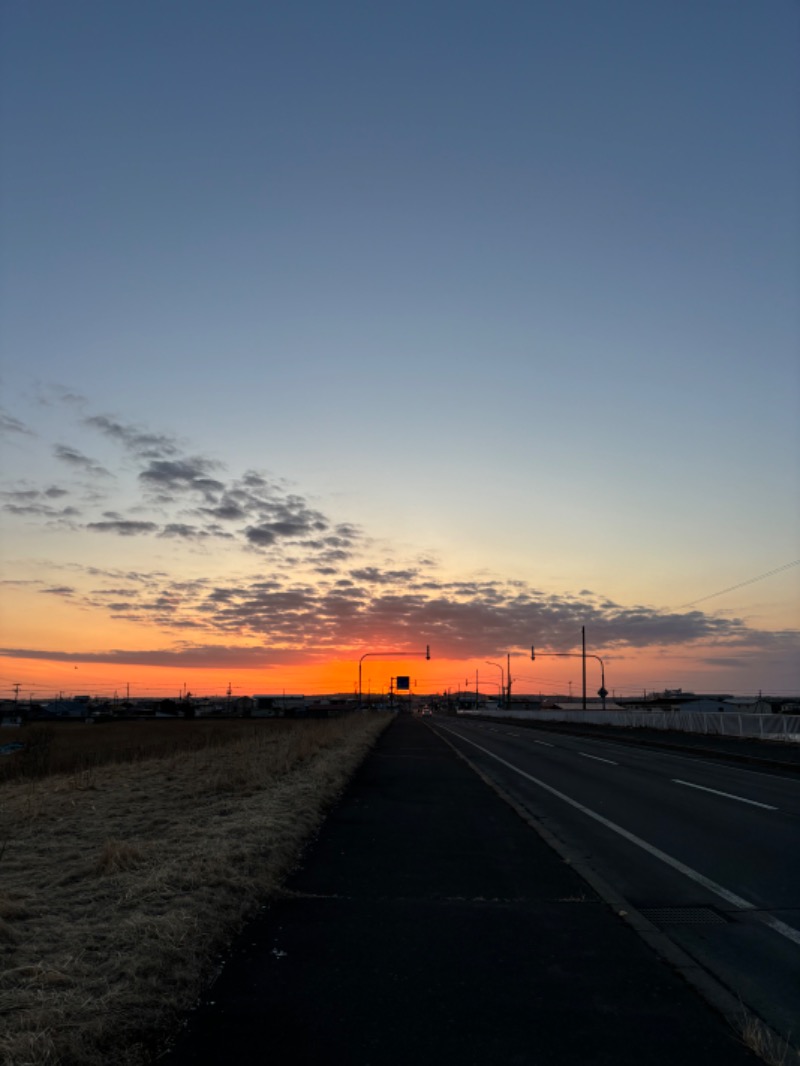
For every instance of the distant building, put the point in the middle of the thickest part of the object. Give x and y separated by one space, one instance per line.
283 706
77 707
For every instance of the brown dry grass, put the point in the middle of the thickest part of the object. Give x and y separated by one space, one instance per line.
122 882
771 1048
70 747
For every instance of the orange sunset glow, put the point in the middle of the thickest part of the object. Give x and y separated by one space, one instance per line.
43 680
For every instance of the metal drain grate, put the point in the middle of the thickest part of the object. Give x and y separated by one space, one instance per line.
684 916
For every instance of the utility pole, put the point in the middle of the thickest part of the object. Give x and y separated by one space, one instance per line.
508 680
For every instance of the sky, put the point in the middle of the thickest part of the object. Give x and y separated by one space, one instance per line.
342 329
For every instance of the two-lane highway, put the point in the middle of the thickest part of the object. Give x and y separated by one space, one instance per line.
708 850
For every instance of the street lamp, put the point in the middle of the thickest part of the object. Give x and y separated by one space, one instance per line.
388 655
502 678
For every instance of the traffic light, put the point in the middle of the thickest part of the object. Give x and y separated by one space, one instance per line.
533 653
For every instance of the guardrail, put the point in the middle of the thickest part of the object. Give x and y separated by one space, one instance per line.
784 727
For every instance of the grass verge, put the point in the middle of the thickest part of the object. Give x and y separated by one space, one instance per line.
121 884
767 1045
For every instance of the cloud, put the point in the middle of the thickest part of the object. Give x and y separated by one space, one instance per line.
197 656
291 527
725 662
285 619
123 528
462 620
139 441
320 589
190 474
10 425
184 496
115 592
375 576
41 510
187 532
227 509
79 461
48 395
32 503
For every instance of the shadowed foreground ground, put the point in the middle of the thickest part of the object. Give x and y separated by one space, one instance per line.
431 924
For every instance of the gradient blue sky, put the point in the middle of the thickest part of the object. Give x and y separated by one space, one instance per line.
510 287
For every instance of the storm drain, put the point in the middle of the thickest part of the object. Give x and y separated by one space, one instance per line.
684 916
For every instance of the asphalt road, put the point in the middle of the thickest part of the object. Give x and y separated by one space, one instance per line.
428 923
708 851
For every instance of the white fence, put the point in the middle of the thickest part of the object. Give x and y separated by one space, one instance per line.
729 724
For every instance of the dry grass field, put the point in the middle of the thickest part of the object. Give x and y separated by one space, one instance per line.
123 877
70 747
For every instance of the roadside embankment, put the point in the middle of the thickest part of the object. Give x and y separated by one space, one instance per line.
122 883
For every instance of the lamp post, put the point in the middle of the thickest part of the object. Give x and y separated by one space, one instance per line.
388 655
502 679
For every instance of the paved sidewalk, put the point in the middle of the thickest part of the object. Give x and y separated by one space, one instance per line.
431 925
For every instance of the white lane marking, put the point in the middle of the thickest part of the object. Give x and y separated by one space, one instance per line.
597 758
719 890
729 795
693 755
544 743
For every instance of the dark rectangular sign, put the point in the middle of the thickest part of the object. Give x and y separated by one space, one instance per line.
403 684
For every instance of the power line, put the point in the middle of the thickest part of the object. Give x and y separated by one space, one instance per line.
741 585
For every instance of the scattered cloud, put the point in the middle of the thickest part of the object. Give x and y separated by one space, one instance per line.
123 527
187 655
79 461
189 474
34 503
725 662
318 589
461 620
10 425
139 441
372 575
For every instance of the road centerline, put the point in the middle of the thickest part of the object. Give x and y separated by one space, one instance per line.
728 795
597 758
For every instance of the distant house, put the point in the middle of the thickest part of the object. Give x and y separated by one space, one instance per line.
270 706
748 705
77 707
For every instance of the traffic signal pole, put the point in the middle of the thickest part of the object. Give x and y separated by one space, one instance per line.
602 692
